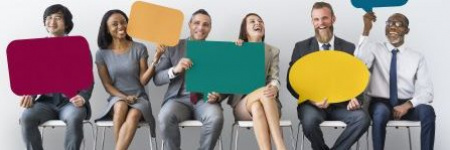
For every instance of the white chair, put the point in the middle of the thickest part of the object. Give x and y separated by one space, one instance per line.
399 123
109 124
195 124
59 123
249 124
334 124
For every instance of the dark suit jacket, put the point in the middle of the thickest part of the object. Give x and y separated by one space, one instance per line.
85 93
311 45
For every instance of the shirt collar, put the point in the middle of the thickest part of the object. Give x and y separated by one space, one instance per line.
331 43
391 47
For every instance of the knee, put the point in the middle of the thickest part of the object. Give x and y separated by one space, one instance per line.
426 114
74 120
310 122
166 119
28 120
215 120
362 118
134 116
257 109
381 115
120 107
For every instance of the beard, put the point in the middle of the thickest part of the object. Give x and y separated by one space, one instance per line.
324 35
395 40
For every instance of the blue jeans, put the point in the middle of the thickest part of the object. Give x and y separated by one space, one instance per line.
381 112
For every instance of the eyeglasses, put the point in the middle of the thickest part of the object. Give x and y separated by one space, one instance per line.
56 18
394 23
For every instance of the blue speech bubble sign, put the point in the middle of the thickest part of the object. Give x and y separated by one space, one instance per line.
368 5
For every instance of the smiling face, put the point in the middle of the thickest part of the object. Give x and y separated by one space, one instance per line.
323 21
255 28
55 25
396 29
117 26
200 26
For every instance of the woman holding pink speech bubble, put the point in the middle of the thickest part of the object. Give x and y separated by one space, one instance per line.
262 105
124 72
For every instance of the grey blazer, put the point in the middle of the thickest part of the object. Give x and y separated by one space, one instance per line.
272 59
168 60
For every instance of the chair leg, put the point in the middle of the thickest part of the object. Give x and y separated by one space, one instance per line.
232 135
292 137
367 138
83 144
357 145
162 144
93 132
409 136
296 139
150 138
219 142
156 143
103 139
42 136
236 139
96 138
303 141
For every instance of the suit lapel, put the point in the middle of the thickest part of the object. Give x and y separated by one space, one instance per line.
313 45
337 44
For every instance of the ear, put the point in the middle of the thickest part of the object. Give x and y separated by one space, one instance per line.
407 30
333 19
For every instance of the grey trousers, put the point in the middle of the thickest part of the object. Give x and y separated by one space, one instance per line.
311 117
176 111
41 112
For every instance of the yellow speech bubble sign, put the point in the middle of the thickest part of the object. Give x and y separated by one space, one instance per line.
154 23
334 75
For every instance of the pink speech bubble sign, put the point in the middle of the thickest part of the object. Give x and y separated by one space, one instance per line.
50 65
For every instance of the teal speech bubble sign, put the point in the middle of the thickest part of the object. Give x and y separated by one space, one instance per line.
368 5
224 67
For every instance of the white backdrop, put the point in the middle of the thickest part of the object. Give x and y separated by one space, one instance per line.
286 22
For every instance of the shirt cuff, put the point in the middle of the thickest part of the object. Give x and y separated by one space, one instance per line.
82 98
171 74
415 102
275 83
362 39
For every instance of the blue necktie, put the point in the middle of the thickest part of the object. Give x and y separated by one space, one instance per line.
393 89
326 46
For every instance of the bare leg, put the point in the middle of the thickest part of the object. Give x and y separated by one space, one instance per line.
120 112
272 117
261 127
128 129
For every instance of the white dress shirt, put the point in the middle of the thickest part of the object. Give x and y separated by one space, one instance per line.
331 42
413 77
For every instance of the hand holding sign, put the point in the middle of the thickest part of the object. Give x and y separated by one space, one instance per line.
155 23
50 65
332 75
368 5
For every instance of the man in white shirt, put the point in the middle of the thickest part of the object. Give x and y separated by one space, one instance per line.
400 85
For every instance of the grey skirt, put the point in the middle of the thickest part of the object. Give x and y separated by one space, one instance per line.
142 104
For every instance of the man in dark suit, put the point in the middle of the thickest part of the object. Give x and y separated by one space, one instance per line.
52 106
312 114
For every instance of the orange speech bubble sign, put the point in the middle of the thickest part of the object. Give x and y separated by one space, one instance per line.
154 23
